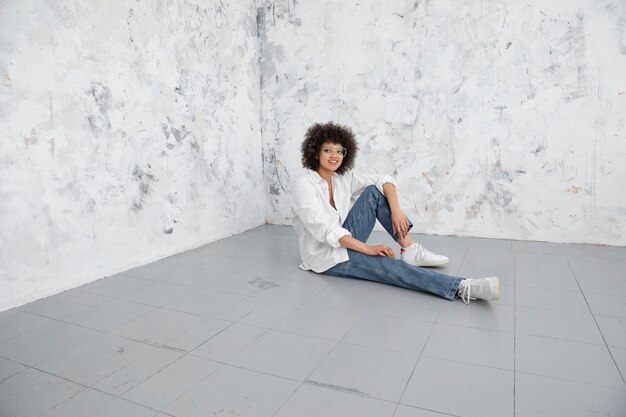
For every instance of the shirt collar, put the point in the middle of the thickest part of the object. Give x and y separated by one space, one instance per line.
318 177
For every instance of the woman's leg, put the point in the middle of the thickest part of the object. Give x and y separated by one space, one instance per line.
391 271
370 206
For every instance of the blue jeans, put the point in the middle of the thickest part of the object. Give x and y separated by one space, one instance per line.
372 205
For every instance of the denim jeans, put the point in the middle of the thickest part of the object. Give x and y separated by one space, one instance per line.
372 205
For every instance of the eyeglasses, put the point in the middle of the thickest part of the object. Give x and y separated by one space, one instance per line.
340 151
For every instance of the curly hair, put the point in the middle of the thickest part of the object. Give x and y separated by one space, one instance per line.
318 134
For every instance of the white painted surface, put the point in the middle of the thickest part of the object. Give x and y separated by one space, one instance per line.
498 118
130 131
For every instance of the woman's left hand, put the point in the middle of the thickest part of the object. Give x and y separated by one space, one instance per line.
400 224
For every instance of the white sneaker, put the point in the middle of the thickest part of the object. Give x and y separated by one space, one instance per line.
479 289
418 256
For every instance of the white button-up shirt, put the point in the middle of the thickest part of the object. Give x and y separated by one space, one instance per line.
318 224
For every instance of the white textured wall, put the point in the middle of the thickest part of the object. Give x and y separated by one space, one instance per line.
498 118
130 130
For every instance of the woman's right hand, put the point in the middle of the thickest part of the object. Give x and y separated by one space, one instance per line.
379 250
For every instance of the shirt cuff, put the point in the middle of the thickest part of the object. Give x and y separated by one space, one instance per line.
384 180
336 234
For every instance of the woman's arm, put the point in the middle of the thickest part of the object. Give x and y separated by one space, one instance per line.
376 250
399 220
309 208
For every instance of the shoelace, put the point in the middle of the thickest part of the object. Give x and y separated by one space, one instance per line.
466 292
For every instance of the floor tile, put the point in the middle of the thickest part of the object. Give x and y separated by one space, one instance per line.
307 276
269 287
198 334
199 276
351 294
108 315
599 267
558 324
603 285
470 390
29 350
552 280
471 345
32 393
490 316
229 342
607 305
15 322
411 305
542 264
158 326
507 296
85 403
314 401
288 290
205 302
365 371
390 333
96 404
158 294
64 304
560 300
95 359
478 264
234 391
540 396
118 407
408 411
116 285
614 330
138 371
619 354
167 385
320 322
9 368
271 268
284 354
259 312
566 359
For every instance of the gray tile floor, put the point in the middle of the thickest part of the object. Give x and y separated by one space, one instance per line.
234 328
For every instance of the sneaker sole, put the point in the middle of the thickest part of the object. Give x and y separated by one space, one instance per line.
496 288
427 265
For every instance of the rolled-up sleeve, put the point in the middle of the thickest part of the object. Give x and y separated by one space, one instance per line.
307 206
360 181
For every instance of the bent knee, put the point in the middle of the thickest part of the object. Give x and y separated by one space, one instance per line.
372 189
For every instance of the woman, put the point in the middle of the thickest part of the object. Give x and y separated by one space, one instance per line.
332 234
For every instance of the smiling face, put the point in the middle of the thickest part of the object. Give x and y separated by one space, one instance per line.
330 156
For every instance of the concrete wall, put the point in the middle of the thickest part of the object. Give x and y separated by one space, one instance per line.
498 118
135 130
130 131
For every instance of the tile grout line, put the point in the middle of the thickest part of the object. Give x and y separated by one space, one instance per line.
415 366
425 343
86 387
320 362
596 322
435 322
189 353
